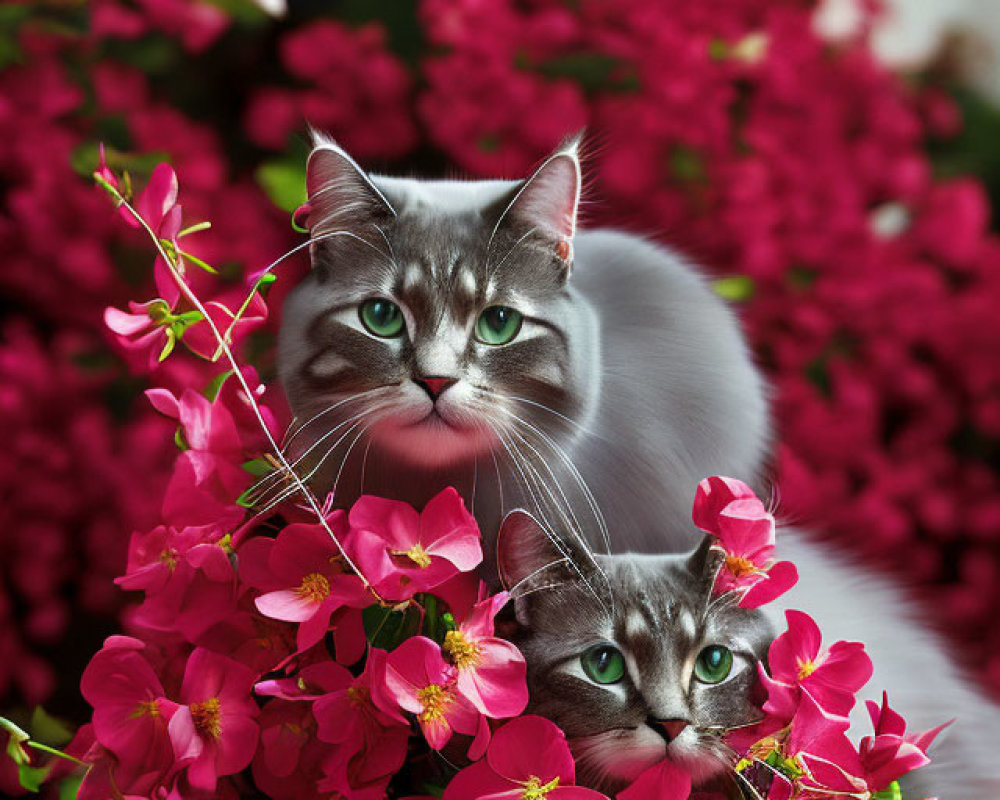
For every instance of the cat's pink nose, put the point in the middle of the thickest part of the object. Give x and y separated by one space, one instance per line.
435 385
673 727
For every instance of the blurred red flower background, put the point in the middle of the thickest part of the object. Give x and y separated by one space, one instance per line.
817 188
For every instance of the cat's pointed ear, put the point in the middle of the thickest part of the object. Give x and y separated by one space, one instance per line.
529 560
340 195
548 202
703 563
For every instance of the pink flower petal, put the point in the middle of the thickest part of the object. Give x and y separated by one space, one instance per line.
714 494
780 578
287 604
531 746
800 643
159 196
663 781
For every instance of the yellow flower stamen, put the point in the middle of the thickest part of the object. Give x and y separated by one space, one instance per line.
147 708
739 566
315 588
534 789
464 654
806 668
207 718
418 556
169 557
435 699
358 695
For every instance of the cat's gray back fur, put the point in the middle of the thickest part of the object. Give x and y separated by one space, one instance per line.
679 396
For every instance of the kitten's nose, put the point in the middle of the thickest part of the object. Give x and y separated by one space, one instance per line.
671 727
434 385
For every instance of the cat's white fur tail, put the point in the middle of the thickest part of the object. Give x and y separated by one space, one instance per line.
911 663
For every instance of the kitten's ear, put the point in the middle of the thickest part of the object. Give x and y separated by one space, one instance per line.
549 200
528 559
340 194
703 563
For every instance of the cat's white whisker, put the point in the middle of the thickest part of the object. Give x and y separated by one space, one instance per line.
563 417
575 474
512 590
262 487
358 421
553 536
495 267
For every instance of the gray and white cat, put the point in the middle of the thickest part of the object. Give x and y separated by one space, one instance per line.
466 334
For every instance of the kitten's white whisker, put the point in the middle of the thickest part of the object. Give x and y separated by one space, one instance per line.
513 589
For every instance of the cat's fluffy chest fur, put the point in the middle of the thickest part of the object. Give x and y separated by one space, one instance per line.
625 375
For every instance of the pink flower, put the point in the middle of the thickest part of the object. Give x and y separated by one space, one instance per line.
150 332
306 582
191 589
130 710
201 340
215 732
744 531
289 760
419 680
663 781
402 552
528 758
370 742
832 678
491 672
890 753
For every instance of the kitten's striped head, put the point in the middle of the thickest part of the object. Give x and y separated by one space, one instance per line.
636 663
435 310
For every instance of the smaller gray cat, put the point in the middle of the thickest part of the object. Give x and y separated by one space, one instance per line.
657 669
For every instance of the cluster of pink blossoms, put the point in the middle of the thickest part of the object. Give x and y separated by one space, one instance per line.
800 750
300 647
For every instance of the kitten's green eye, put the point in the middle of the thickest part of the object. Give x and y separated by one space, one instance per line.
498 325
713 664
381 317
603 664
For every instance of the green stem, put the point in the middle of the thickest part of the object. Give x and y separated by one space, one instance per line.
52 751
238 373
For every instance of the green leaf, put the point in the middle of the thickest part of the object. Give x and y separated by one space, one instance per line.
199 263
259 467
198 226
168 348
48 730
387 628
211 391
892 792
735 288
32 778
18 736
284 181
70 787
264 281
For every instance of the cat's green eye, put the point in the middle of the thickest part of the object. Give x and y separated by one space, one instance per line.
603 664
498 325
713 664
381 317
